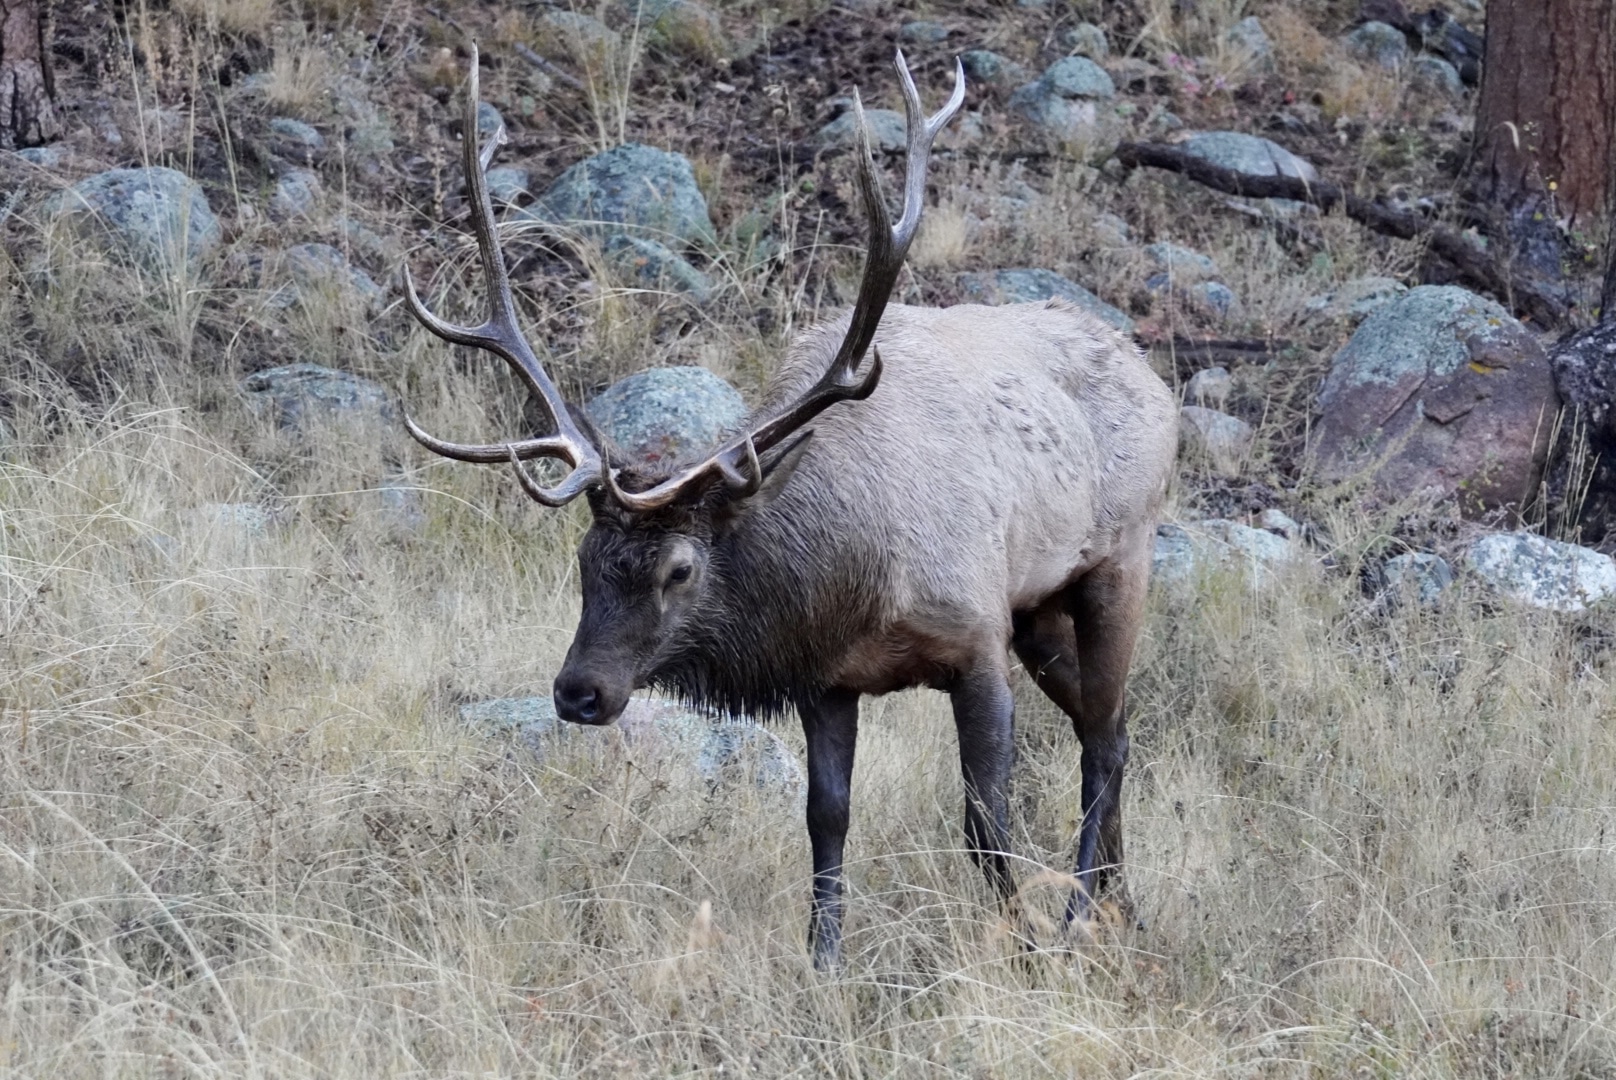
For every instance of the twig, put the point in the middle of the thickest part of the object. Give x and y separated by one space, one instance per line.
1474 266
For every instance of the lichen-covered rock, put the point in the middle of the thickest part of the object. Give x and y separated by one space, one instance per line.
296 141
1086 39
653 266
666 414
157 216
507 184
681 26
1181 264
720 752
299 395
1223 441
1440 393
322 269
296 192
1247 154
923 32
1434 74
1071 105
579 36
985 66
888 130
1249 37
489 121
1030 285
1078 77
1355 299
1209 387
1187 554
1543 573
1212 298
632 189
1419 576
1378 44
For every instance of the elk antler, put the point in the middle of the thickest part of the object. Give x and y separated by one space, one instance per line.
499 334
737 460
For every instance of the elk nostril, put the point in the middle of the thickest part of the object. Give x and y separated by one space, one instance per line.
577 701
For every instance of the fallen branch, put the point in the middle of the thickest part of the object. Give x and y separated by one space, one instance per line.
1475 268
1191 354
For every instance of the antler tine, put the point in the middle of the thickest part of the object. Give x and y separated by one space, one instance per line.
737 461
500 334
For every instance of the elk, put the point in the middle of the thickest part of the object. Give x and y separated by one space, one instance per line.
988 481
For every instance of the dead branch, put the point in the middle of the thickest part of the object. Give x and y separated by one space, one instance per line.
1475 267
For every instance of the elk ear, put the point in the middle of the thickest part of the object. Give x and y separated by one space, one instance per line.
778 468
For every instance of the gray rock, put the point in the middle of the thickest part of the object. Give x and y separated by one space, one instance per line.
580 36
1279 523
296 141
321 268
488 121
1213 297
1378 44
1078 77
653 266
299 395
678 25
1247 154
156 216
1440 393
1209 387
631 189
1023 286
1434 74
45 157
1356 298
721 752
1085 39
923 32
1182 264
667 414
367 130
983 66
888 130
1185 555
507 184
400 504
1223 441
1543 573
1249 37
296 192
1112 230
1418 576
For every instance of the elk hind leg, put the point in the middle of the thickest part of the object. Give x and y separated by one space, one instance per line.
830 725
984 714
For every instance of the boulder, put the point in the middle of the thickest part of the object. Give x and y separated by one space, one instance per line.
1439 392
1543 573
888 131
1025 286
298 396
653 266
721 752
1436 75
156 216
1223 441
984 66
1071 104
320 269
296 192
1355 299
1378 45
1181 264
1086 39
1250 155
632 189
1418 576
681 26
507 185
1249 37
296 141
582 37
1078 77
1209 387
923 32
666 414
1186 554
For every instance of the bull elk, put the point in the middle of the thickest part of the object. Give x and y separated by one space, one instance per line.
999 492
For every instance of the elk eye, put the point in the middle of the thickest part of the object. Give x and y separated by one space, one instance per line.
679 574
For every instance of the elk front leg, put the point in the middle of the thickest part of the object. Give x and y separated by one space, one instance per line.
984 714
830 724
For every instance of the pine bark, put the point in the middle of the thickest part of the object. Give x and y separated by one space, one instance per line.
1546 121
27 111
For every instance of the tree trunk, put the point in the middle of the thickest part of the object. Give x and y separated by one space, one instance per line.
1546 122
27 111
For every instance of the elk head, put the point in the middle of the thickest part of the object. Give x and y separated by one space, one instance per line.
647 560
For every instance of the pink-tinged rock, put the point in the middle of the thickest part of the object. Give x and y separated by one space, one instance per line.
1440 393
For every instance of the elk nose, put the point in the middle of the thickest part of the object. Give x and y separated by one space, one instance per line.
577 700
